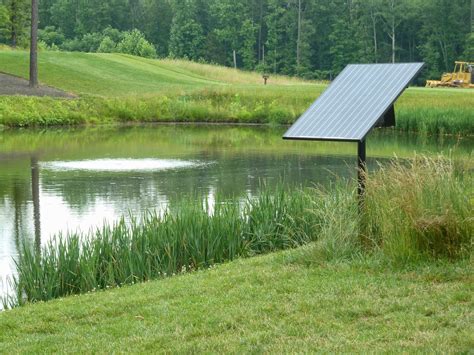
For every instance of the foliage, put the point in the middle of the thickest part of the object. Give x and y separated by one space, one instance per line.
108 41
186 33
51 36
14 27
297 37
107 45
5 24
469 48
134 43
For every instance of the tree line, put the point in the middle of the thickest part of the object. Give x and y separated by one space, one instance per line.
313 39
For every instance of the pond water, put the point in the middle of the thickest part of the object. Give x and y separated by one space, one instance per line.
57 180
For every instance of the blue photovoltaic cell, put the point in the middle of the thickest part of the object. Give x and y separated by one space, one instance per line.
351 106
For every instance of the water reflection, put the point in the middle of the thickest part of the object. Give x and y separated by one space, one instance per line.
54 181
120 165
35 193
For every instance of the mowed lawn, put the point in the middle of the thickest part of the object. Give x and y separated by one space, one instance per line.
282 302
119 74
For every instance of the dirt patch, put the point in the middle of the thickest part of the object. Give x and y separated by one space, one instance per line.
13 85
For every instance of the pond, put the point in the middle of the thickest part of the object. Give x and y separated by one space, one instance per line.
57 180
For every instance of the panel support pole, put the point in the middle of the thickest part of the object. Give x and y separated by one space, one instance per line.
361 172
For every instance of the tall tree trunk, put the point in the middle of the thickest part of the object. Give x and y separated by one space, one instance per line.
260 31
34 45
374 29
13 37
235 58
393 41
298 41
444 52
394 28
472 16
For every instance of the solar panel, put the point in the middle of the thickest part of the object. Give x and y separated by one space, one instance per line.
360 98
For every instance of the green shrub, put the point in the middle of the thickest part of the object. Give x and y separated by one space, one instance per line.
107 45
134 43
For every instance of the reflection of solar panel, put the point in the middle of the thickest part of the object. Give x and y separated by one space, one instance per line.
360 98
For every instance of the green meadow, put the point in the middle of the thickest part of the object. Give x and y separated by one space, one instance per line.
115 88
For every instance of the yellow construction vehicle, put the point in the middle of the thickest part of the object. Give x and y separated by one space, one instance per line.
461 77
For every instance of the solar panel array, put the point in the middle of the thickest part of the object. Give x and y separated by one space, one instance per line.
354 102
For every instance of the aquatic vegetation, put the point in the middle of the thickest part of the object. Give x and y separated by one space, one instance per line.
413 212
188 236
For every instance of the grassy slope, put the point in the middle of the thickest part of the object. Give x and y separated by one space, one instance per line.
275 303
117 74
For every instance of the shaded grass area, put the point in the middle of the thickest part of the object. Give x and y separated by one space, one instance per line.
273 303
120 88
413 213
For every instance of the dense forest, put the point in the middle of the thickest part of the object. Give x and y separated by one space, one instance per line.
309 38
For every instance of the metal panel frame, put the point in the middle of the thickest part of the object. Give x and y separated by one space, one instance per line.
385 115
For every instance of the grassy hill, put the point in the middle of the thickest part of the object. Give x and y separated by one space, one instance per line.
119 74
123 88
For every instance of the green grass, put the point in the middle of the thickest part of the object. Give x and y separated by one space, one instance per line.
115 88
272 304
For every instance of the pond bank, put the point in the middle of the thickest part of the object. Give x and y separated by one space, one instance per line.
419 110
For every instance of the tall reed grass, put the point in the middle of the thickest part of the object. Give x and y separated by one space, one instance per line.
186 237
421 209
417 210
